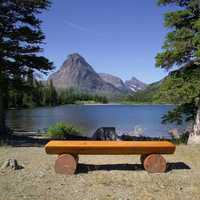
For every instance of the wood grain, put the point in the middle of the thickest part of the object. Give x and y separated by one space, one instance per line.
109 147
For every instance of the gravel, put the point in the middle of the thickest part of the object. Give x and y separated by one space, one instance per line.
99 177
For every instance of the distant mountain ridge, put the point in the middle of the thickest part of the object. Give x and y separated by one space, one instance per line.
75 72
135 85
114 80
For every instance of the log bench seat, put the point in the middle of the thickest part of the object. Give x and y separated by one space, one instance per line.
150 152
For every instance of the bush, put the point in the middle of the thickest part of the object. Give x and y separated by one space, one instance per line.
61 130
182 140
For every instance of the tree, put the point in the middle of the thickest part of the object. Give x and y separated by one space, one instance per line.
181 52
52 95
20 40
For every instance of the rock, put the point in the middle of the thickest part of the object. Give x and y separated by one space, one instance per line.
174 133
137 132
11 164
105 133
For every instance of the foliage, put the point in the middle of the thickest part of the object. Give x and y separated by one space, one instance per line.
47 95
183 139
181 50
181 86
73 96
182 44
183 112
61 130
20 41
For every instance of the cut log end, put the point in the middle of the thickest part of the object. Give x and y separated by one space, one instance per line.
66 164
155 163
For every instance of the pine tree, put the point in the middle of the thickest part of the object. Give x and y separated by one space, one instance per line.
20 40
181 52
53 97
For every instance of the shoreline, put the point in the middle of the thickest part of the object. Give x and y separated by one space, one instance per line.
96 104
125 104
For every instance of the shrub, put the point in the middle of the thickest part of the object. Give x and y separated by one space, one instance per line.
182 140
61 130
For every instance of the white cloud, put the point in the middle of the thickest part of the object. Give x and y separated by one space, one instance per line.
82 28
76 26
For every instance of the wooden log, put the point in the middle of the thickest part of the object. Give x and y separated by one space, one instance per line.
155 163
74 155
66 164
109 147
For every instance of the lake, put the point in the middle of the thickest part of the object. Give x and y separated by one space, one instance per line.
142 119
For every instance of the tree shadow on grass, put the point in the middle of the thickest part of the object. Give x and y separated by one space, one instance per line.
85 168
27 141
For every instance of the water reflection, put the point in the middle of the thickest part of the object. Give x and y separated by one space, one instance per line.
145 119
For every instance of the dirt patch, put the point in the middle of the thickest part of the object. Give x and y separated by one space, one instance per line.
99 177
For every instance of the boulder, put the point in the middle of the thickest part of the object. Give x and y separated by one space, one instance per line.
11 164
105 133
174 133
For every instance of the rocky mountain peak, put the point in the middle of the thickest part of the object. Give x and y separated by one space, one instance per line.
114 80
77 61
75 72
134 84
74 63
74 57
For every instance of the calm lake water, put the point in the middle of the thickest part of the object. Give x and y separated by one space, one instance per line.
142 119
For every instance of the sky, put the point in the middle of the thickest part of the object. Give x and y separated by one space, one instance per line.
120 37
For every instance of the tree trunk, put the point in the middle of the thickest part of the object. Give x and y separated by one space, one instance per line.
3 94
2 117
194 137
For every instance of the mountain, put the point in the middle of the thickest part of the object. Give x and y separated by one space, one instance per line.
115 81
135 85
75 72
147 95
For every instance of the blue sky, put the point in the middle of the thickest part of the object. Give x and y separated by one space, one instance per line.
120 37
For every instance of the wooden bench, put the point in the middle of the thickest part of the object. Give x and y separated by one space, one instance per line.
150 152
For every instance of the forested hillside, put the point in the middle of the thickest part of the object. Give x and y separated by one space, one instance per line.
148 95
38 94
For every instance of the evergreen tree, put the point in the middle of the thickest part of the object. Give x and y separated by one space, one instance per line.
181 50
20 40
52 94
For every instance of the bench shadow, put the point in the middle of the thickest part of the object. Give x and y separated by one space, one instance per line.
177 166
86 168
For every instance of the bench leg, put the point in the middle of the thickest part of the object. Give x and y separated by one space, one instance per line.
155 163
66 164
